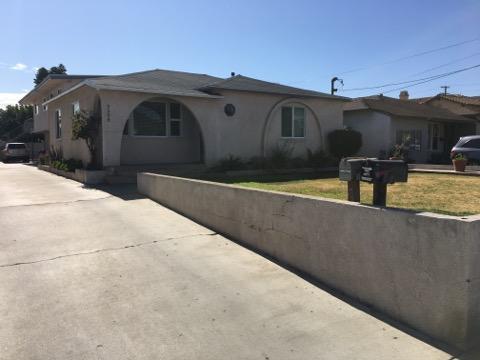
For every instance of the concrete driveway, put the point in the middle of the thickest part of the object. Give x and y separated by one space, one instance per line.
90 274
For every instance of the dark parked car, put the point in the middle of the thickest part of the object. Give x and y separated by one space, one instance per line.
468 146
15 151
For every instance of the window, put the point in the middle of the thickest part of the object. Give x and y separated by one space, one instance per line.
410 138
293 121
149 119
175 119
75 107
58 123
36 109
152 118
474 143
45 107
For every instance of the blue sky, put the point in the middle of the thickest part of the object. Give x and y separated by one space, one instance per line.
300 43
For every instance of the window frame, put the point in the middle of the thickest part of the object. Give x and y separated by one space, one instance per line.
172 120
58 124
292 119
168 121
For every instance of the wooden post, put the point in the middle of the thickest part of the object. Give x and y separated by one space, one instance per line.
354 190
379 194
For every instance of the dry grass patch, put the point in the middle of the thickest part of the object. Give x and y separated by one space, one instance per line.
446 194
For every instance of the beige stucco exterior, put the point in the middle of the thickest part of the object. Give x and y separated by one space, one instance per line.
379 133
208 134
252 131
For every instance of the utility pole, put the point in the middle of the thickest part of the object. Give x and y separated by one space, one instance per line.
445 87
333 90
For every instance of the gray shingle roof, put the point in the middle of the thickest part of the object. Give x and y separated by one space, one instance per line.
167 82
404 108
461 99
157 81
244 83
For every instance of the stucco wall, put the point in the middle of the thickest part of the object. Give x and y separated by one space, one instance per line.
375 130
246 134
76 149
40 120
418 268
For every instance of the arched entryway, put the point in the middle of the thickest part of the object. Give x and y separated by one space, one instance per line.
161 131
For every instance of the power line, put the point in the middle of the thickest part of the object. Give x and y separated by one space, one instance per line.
411 56
438 77
426 79
446 64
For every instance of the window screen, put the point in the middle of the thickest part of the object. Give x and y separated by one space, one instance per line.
149 119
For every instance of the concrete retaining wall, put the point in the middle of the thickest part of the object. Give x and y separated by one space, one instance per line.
419 268
89 177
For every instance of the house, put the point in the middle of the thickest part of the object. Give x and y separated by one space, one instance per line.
467 106
428 131
172 117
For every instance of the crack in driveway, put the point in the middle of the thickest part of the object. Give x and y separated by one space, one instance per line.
107 249
55 202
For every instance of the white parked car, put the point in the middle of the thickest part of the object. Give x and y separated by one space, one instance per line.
15 151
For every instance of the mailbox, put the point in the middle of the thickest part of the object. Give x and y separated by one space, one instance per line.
380 173
350 169
384 171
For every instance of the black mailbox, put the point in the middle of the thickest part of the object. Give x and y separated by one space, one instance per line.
350 169
384 171
380 173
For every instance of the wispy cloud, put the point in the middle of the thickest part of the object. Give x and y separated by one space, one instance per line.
19 66
10 98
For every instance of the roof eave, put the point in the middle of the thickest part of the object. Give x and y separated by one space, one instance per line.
315 96
159 92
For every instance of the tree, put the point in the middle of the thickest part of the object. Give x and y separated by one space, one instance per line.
12 119
86 126
42 73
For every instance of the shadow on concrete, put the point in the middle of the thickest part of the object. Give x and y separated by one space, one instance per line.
125 192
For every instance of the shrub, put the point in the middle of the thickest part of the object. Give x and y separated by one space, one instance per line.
230 163
319 159
257 162
399 151
280 156
67 165
344 142
86 126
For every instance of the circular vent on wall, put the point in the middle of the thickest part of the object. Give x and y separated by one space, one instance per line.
229 109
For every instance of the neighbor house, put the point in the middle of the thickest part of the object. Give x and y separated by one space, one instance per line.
171 117
429 132
467 106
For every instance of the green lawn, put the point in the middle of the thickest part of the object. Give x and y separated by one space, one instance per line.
446 194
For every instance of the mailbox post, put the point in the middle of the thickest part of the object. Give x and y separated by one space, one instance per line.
380 173
350 170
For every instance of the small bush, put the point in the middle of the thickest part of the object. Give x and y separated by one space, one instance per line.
344 142
67 165
257 163
319 159
230 163
280 157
